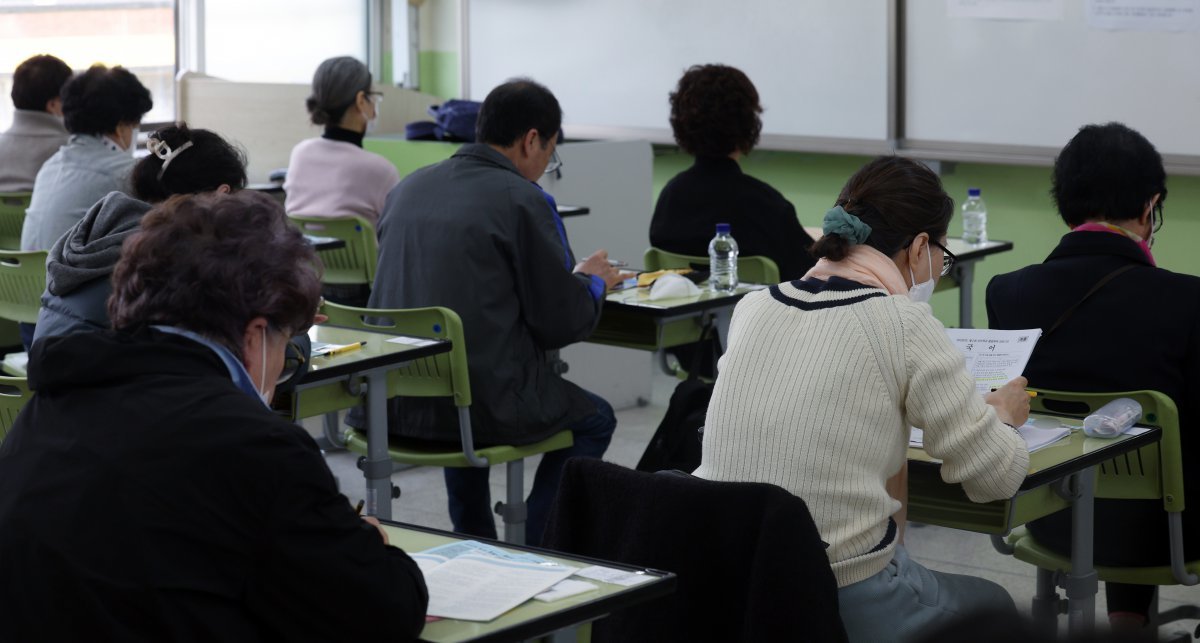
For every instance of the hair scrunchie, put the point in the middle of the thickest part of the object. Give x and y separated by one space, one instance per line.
845 225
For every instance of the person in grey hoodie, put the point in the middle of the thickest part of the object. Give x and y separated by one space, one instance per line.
78 268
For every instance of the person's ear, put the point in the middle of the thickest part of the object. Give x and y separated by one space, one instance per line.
224 189
1148 212
252 342
54 106
919 243
531 142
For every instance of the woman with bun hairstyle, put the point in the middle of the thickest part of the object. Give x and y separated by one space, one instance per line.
332 176
181 161
825 375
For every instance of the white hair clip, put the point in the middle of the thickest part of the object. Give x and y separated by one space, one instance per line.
163 151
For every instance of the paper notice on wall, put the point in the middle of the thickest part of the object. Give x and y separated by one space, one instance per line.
1005 9
1144 15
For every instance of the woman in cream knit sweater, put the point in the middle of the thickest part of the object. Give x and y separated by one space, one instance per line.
823 378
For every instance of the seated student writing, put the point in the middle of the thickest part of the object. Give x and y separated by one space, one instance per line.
1140 329
715 118
151 495
825 375
182 161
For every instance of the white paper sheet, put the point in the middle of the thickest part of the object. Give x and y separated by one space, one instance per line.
1144 15
475 587
412 341
1005 9
1035 437
564 589
993 357
615 576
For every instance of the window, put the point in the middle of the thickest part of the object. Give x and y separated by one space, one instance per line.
280 41
139 36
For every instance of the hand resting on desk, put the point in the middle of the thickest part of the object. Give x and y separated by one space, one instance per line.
1011 402
597 264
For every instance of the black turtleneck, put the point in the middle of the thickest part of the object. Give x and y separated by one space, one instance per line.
335 133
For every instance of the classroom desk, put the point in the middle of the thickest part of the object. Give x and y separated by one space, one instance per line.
336 382
533 619
962 275
629 319
1060 475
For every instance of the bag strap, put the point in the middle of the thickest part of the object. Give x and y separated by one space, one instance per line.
1099 284
702 345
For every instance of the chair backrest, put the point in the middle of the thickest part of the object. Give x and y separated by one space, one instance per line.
12 217
443 375
749 560
1152 472
14 393
755 269
22 281
352 264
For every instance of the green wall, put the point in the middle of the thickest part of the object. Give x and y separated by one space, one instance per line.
439 73
1019 210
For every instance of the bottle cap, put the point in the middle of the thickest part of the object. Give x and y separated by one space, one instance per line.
972 191
722 228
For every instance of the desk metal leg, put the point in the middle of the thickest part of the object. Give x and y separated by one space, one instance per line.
1081 583
377 468
965 278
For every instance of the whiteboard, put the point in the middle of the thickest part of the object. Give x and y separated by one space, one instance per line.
973 83
822 67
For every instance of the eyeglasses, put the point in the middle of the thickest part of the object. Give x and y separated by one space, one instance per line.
555 163
374 97
948 258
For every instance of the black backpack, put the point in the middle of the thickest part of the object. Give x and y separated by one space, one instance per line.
676 442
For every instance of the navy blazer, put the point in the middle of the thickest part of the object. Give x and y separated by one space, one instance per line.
1139 331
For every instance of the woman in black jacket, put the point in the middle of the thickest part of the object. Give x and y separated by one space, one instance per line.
151 495
715 118
1139 330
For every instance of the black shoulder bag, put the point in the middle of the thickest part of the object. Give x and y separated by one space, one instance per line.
676 442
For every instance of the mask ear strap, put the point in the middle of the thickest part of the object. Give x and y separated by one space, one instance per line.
264 361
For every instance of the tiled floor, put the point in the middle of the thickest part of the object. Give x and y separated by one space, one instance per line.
423 501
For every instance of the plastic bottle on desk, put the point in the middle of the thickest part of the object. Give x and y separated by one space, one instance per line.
974 212
722 260
1113 418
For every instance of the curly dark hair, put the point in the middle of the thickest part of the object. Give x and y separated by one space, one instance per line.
899 198
715 111
98 100
205 166
210 263
38 81
1109 172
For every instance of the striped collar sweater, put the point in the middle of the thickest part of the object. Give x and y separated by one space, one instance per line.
816 394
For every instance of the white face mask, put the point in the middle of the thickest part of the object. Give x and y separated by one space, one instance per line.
370 121
922 292
264 394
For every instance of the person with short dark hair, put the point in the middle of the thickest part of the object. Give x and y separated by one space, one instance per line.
181 161
1138 331
476 234
826 375
715 118
333 176
147 485
37 129
102 109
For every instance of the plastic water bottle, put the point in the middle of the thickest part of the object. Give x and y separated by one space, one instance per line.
974 218
1113 418
722 260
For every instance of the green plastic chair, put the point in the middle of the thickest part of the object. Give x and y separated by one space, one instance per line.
444 375
14 393
12 217
355 263
22 281
1153 472
755 270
